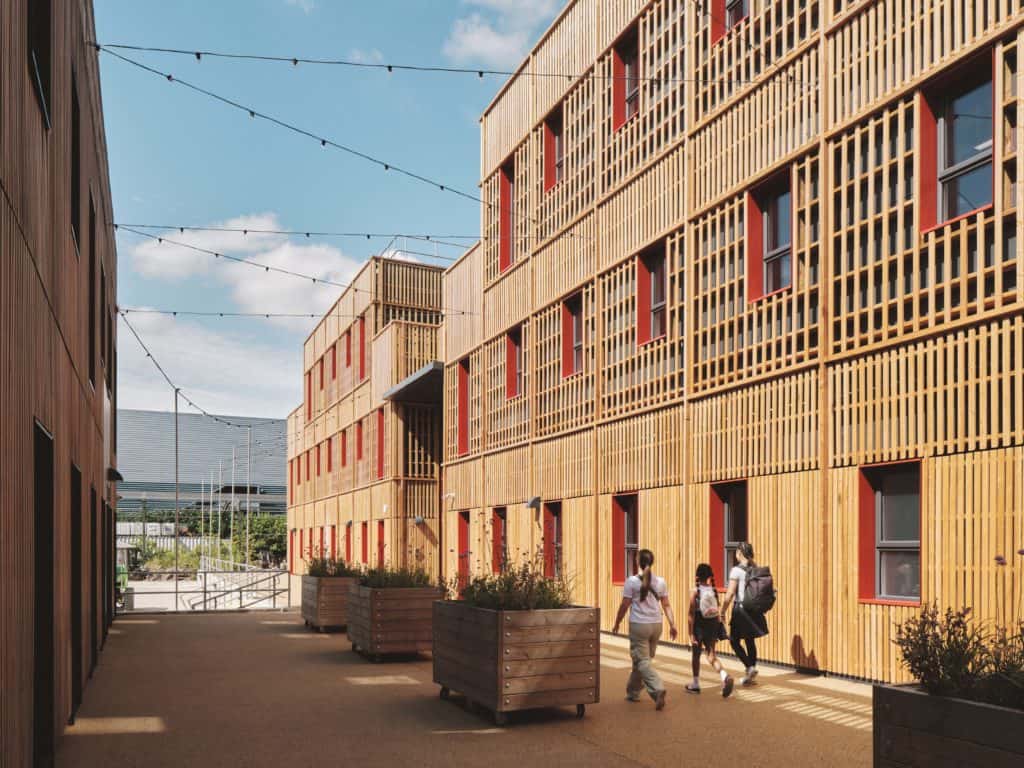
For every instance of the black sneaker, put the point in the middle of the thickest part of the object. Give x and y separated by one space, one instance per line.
727 687
659 700
691 688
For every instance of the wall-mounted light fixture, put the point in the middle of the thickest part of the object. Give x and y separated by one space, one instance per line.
418 520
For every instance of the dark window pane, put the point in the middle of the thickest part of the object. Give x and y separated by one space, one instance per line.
736 516
901 517
900 573
779 221
658 322
970 124
776 273
968 191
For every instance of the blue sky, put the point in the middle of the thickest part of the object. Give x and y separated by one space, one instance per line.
178 158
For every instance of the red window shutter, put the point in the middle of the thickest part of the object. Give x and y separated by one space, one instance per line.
549 157
497 529
754 249
568 359
618 543
366 542
330 460
928 181
380 443
549 542
643 301
348 543
298 470
865 537
512 347
359 440
717 20
463 406
362 348
321 373
380 543
321 553
334 361
307 466
618 90
505 218
716 536
348 349
463 549
344 448
318 461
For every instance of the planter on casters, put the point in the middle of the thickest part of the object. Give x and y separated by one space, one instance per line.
510 660
325 600
392 620
915 728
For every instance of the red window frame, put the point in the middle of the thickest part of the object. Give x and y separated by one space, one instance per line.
380 543
719 19
348 542
380 443
718 494
344 448
553 539
462 385
366 542
307 465
321 373
359 440
463 553
867 531
318 460
499 539
621 505
506 215
933 100
554 148
334 542
756 203
362 347
572 327
334 361
322 542
330 459
514 363
348 348
625 79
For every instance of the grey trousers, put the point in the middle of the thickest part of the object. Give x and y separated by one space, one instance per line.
643 644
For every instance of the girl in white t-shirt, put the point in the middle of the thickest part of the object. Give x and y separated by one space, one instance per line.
645 596
744 627
706 628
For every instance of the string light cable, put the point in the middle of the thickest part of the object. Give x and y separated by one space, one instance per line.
186 398
480 73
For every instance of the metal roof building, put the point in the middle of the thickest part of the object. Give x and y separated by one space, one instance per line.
146 460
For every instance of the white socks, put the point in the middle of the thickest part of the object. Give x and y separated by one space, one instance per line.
723 674
696 682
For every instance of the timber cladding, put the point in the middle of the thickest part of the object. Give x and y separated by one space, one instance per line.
890 335
512 660
325 600
391 621
58 357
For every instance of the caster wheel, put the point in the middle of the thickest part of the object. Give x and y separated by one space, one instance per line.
500 718
581 710
445 693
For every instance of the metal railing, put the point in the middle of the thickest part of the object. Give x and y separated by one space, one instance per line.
238 587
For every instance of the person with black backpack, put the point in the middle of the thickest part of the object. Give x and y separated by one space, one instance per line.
751 594
706 628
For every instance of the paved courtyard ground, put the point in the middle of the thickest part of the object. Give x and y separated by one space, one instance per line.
258 689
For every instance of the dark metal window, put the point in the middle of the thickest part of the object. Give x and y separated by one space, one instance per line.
734 508
735 12
965 150
556 515
777 240
501 537
656 270
631 527
515 359
576 310
39 15
631 66
898 532
510 175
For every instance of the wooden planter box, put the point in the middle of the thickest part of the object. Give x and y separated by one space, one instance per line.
914 728
382 621
325 600
510 660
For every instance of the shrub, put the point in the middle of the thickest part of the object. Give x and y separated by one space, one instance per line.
950 656
520 588
396 578
319 565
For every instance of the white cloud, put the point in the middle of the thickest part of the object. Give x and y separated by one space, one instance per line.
224 372
372 56
306 6
499 34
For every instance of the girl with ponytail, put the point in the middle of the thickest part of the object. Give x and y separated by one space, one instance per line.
706 628
744 626
645 595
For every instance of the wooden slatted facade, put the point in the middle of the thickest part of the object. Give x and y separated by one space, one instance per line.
896 338
362 469
58 340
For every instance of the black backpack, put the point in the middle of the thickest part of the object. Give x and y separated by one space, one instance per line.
759 595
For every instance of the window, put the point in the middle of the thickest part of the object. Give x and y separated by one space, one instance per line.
725 15
76 165
625 79
380 443
554 149
348 542
499 540
39 14
625 537
735 12
553 540
514 363
362 347
92 292
463 549
334 361
462 384
359 440
318 461
334 541
727 527
506 216
380 543
769 237
309 395
572 335
365 546
651 322
348 349
330 460
344 448
307 465
890 532
321 373
965 150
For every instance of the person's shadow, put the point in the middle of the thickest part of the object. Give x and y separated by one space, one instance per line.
804 660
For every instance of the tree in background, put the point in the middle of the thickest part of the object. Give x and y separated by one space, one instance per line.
268 539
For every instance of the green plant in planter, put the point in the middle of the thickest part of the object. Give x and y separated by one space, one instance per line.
396 578
516 588
319 565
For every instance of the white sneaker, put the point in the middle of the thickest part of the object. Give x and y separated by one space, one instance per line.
748 679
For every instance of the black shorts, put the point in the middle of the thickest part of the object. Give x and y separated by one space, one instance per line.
708 632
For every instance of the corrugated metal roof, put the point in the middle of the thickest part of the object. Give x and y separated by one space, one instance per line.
145 448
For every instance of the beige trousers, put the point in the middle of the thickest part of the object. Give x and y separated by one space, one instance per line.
643 644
